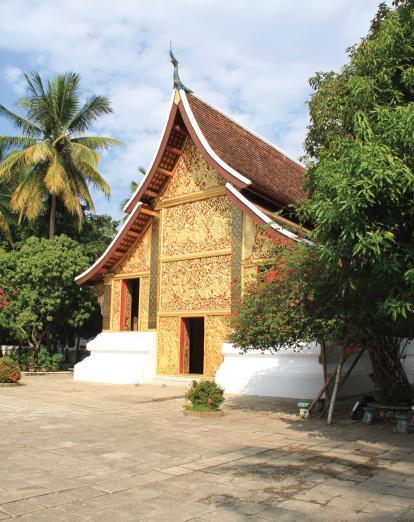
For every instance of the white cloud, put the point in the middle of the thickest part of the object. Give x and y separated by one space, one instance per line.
15 77
252 59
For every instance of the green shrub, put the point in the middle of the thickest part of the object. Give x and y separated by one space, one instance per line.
43 358
9 370
56 361
205 395
49 362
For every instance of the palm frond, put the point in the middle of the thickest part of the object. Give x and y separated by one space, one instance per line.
6 216
80 153
56 175
17 161
94 107
40 152
68 196
29 197
27 127
93 176
97 142
65 96
81 189
15 142
11 164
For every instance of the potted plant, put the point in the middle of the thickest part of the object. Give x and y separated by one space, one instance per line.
204 399
9 372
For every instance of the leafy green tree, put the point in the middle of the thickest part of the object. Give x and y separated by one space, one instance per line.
360 177
39 298
355 285
52 161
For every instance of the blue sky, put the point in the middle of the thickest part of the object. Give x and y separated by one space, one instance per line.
252 59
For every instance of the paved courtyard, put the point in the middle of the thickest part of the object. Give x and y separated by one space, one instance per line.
76 451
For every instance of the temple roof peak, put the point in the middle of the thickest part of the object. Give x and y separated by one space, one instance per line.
177 82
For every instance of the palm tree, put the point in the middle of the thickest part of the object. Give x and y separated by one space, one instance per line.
5 213
132 187
52 160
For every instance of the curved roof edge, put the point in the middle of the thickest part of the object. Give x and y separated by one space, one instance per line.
206 145
256 214
99 263
196 134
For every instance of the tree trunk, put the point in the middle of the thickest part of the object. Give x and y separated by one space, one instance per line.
52 218
336 387
388 372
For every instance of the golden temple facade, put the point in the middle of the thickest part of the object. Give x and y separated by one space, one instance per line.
196 232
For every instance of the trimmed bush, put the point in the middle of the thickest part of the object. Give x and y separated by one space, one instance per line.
48 362
205 395
9 370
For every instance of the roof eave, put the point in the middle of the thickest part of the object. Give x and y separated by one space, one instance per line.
257 215
100 262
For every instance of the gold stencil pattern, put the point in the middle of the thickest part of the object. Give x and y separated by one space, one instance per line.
196 284
138 257
256 243
116 305
216 330
168 352
143 303
192 174
197 226
105 304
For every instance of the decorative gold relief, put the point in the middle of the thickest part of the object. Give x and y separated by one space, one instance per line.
196 284
116 305
143 304
138 257
197 226
105 304
168 352
192 173
256 244
216 330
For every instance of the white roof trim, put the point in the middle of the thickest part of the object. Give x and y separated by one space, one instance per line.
206 145
292 158
80 276
262 215
155 155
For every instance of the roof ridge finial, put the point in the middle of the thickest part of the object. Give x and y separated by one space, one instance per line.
177 82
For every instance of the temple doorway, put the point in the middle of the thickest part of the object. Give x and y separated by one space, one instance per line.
129 304
192 345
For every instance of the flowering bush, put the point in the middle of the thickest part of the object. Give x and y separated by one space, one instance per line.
287 303
205 395
9 370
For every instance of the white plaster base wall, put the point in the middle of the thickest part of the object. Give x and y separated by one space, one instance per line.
119 358
292 374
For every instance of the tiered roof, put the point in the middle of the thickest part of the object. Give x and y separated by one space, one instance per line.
252 167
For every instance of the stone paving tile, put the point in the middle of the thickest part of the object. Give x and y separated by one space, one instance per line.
20 507
89 452
52 499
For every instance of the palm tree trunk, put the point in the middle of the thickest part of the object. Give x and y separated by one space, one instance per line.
52 218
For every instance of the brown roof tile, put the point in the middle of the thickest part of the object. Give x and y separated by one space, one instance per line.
272 173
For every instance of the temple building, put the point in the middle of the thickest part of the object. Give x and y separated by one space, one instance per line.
196 231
